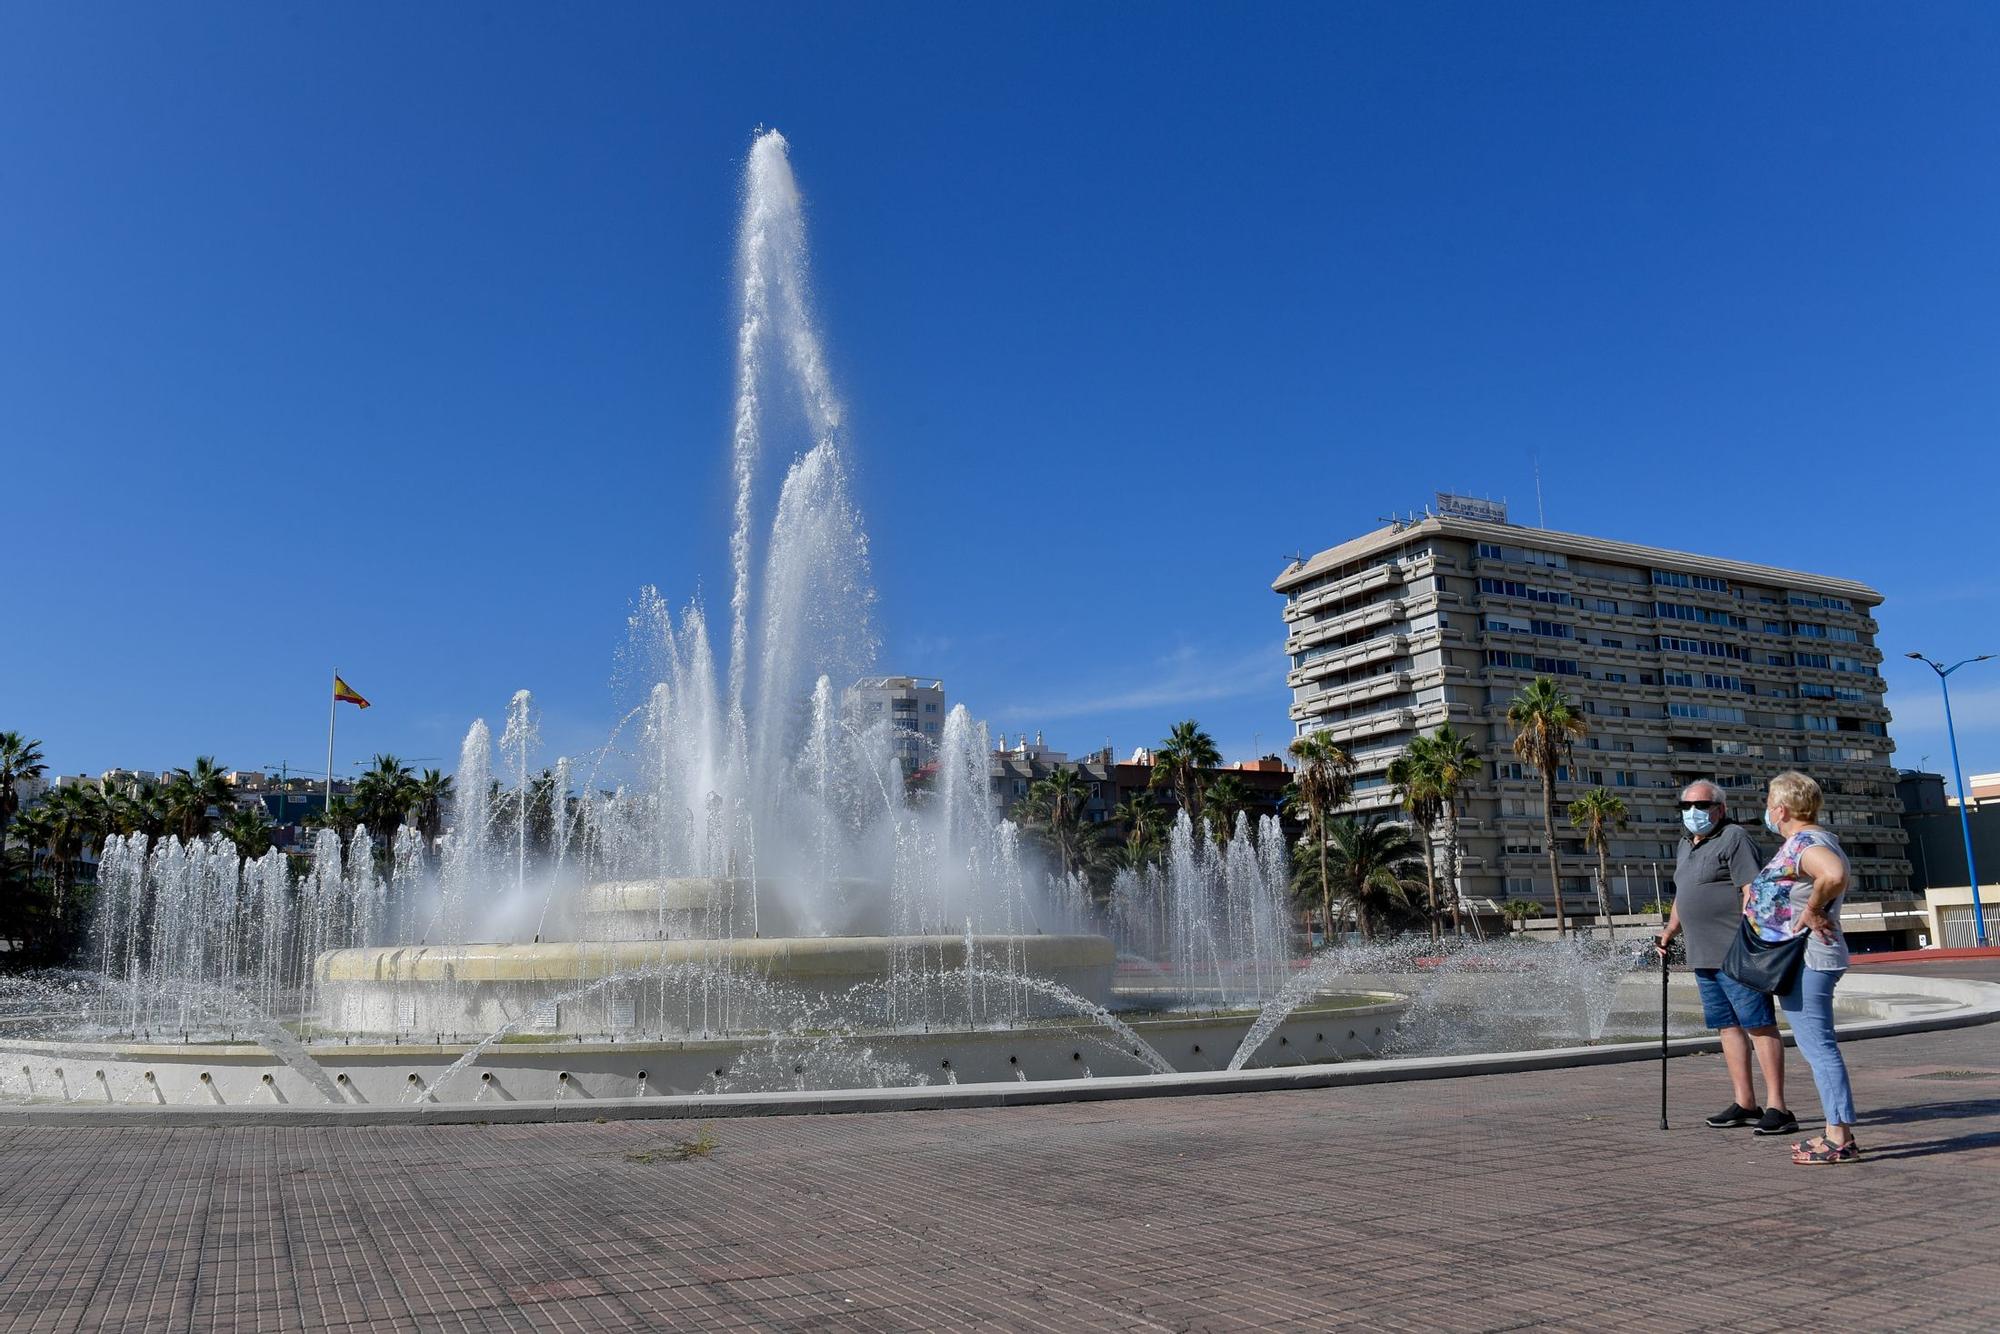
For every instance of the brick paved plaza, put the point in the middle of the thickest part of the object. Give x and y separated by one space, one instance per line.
1549 1200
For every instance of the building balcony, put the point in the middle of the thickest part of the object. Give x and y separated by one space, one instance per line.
1374 687
1361 618
1345 659
1353 586
1374 724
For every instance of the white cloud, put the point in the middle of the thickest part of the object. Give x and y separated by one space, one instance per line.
1917 724
1920 708
1184 676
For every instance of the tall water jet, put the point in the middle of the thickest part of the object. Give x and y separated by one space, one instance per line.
773 315
517 744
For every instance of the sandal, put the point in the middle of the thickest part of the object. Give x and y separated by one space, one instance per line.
1819 1149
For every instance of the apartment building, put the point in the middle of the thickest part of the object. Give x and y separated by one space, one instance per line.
1685 666
915 708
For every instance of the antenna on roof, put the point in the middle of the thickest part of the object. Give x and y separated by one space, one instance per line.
1541 516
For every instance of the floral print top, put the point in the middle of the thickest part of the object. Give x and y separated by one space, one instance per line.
1783 890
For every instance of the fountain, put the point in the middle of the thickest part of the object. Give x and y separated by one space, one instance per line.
745 870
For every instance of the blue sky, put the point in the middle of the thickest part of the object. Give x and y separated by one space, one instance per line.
400 338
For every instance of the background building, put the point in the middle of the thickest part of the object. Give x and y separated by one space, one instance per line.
1685 667
915 707
1017 767
1937 852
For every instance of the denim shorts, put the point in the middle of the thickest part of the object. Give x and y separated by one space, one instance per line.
1727 1003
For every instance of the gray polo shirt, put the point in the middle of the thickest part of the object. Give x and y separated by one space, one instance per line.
1708 890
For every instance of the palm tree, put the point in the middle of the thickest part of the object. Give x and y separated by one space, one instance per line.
138 808
1452 762
385 794
1145 824
1596 813
246 828
1226 799
1324 779
545 807
1054 809
20 761
74 821
189 794
1415 784
1372 867
1546 725
343 816
1179 763
430 794
1517 911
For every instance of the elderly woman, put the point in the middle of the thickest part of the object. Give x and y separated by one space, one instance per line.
1713 867
1798 891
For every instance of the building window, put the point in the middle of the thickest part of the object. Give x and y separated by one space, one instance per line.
1514 588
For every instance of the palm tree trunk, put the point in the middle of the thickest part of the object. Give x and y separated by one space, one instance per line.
1451 871
1325 885
1431 885
1604 890
1549 832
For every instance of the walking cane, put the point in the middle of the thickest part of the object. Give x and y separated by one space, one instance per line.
1663 1003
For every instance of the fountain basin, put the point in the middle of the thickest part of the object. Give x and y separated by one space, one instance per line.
672 987
244 1075
733 906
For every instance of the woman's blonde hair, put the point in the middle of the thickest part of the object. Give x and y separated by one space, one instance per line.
1797 794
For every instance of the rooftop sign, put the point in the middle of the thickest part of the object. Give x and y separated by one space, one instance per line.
1470 507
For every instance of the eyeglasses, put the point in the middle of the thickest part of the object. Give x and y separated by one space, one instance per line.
1698 805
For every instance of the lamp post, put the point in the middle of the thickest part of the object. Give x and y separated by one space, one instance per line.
1958 776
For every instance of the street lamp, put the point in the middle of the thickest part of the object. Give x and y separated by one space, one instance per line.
1958 776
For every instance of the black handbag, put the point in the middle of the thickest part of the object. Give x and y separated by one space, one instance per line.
1769 966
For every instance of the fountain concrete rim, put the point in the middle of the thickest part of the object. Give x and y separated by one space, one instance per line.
558 961
1979 1003
1377 1005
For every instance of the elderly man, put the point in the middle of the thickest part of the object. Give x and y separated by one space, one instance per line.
1713 868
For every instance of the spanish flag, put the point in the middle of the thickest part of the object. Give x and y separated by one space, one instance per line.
344 693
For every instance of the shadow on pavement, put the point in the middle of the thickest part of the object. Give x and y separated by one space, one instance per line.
1932 1111
1989 1139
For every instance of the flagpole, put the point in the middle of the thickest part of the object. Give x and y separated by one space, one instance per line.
332 705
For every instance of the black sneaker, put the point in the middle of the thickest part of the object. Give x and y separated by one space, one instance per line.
1732 1116
1777 1121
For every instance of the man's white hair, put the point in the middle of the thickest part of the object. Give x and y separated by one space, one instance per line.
1720 797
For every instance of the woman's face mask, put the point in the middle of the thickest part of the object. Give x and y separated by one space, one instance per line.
1771 821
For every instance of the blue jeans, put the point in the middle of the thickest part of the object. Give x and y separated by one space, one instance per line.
1809 1007
1727 1003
